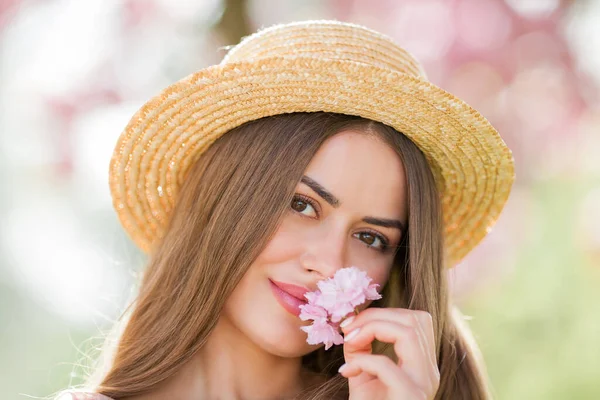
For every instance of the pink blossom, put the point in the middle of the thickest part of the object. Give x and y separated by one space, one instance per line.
371 292
312 312
313 297
335 299
349 288
322 332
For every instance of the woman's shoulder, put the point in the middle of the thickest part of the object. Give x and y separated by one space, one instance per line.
73 395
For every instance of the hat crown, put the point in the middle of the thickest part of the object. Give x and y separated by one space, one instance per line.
326 40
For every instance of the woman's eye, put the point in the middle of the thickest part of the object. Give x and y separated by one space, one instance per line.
303 207
306 207
372 240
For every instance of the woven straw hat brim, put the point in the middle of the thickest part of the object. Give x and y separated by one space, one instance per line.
472 166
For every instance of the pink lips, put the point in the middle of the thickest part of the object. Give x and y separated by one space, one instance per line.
291 297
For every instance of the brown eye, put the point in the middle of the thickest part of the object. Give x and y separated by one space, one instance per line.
298 205
376 242
368 238
303 206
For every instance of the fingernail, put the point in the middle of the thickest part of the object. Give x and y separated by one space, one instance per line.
342 368
346 322
351 335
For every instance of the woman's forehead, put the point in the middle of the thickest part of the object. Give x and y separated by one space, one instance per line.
361 171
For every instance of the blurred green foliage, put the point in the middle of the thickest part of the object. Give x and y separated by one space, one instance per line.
540 329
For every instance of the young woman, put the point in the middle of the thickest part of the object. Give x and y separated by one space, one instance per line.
312 147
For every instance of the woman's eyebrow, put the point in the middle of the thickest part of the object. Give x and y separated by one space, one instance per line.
335 203
321 191
387 223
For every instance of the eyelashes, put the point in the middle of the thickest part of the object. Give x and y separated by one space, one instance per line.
299 199
304 199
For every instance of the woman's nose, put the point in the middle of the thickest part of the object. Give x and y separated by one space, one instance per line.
324 255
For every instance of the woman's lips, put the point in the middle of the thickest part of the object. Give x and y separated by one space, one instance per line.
289 296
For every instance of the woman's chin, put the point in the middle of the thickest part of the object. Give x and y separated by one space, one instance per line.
284 342
290 349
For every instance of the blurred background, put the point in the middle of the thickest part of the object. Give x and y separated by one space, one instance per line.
72 72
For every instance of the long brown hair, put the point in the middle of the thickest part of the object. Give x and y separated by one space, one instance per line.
215 233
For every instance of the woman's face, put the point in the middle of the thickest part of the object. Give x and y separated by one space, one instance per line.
353 181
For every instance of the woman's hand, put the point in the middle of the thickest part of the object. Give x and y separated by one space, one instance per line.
377 377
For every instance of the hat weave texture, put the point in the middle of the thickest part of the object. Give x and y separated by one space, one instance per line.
307 67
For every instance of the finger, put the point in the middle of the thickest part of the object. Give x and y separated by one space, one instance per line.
399 384
408 346
419 319
425 322
402 315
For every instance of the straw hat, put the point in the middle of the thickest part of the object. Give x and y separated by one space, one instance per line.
306 67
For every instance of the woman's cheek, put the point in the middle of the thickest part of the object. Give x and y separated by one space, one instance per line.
379 275
284 244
